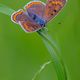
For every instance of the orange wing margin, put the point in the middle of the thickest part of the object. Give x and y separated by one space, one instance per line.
15 14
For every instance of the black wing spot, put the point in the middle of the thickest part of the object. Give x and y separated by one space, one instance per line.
34 17
55 10
51 13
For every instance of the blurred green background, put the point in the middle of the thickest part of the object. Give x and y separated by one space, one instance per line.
22 54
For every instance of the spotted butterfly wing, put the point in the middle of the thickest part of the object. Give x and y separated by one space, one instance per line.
35 7
53 7
20 17
35 10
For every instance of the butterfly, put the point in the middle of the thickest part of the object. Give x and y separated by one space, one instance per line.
37 14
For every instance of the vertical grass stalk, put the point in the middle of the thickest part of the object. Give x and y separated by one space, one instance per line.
53 50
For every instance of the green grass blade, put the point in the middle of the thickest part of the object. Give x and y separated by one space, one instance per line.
6 10
41 69
53 49
45 34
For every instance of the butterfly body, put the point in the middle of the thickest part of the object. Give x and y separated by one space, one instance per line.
37 19
37 14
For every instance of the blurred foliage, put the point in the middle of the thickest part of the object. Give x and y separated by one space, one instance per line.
22 54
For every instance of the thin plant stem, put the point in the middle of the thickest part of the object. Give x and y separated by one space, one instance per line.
6 10
41 69
53 49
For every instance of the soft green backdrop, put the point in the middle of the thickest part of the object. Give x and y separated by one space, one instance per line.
22 54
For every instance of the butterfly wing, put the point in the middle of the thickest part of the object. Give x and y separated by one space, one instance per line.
16 16
21 18
35 7
53 7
